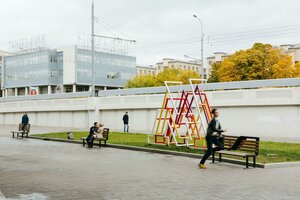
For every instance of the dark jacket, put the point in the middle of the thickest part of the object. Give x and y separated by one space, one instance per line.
125 119
93 129
212 127
25 119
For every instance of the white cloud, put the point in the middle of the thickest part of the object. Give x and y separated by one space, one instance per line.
161 27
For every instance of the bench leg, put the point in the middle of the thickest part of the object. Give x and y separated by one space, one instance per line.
99 143
13 134
105 143
83 142
220 157
254 161
213 156
247 162
26 134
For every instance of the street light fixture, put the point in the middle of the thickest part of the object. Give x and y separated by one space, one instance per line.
201 68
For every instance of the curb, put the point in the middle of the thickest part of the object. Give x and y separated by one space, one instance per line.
175 153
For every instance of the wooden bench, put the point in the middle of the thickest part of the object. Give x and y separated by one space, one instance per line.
21 131
243 146
105 138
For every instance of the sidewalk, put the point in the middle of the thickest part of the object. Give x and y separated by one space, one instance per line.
55 170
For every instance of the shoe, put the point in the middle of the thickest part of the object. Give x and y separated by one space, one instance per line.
202 166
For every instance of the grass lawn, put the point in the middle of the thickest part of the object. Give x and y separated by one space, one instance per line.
269 152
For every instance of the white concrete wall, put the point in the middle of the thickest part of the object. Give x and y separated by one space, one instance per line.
268 113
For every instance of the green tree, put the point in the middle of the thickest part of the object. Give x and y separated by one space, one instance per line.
141 81
297 69
214 73
262 61
158 80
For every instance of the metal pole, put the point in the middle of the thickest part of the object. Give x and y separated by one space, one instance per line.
202 35
93 53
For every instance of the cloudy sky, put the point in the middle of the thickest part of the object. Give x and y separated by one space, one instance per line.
162 28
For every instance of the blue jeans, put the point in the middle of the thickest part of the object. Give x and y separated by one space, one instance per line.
210 140
126 127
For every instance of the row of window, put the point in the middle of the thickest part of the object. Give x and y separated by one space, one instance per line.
21 61
180 67
106 60
145 72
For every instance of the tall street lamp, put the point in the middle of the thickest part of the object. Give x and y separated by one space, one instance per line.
201 68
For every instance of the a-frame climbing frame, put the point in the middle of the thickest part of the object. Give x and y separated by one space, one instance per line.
183 117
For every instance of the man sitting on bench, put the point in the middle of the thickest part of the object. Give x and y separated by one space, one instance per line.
93 134
212 137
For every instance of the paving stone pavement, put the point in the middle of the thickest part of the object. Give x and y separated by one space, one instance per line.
44 170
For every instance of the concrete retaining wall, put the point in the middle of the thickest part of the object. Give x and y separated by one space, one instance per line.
268 113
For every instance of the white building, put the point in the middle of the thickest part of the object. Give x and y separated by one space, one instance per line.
68 69
217 57
145 70
2 54
179 64
292 50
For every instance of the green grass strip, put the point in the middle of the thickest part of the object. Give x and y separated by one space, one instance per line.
269 152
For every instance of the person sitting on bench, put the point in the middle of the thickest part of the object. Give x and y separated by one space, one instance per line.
100 132
93 134
212 137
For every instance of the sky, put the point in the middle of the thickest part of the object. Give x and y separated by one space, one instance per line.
161 28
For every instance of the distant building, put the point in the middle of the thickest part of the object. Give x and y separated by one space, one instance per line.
64 70
179 64
2 54
217 57
292 50
145 70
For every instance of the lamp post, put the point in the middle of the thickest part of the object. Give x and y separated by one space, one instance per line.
201 68
93 52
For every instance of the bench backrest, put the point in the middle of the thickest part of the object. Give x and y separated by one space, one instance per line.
26 128
243 143
105 133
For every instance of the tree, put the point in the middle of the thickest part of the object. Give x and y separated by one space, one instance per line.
214 74
141 81
262 61
158 80
297 69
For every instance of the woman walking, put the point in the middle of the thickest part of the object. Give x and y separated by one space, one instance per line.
212 137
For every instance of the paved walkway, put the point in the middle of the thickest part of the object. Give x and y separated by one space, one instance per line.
35 169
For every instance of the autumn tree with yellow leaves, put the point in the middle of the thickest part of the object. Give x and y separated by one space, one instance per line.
168 74
262 61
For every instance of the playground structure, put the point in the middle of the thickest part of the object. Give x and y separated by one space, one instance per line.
184 116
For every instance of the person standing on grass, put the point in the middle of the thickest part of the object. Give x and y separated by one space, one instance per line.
25 121
125 121
213 136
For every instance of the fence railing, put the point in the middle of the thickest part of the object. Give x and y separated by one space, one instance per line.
290 82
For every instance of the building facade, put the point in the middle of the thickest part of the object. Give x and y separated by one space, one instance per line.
64 70
217 57
2 54
145 70
178 64
292 50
